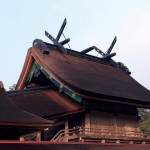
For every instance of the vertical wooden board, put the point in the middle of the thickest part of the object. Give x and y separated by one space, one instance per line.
87 123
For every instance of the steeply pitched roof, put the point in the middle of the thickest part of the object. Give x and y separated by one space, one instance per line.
11 115
45 103
84 76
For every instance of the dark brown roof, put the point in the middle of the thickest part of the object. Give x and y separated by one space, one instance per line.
85 77
11 115
45 103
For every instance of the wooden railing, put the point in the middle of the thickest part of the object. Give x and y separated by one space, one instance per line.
58 136
89 133
62 134
111 133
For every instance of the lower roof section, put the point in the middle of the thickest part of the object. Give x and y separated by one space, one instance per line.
45 103
13 116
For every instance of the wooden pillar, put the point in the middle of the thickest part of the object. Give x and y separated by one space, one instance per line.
103 141
118 141
87 123
143 142
42 135
38 136
66 133
21 139
115 125
131 142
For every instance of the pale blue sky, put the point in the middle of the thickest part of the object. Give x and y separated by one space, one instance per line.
90 22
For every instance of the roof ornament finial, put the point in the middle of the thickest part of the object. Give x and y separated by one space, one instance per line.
107 56
111 46
56 40
61 29
41 45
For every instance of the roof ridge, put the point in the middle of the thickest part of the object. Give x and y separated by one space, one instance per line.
81 55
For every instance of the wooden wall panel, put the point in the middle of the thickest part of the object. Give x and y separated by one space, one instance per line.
109 122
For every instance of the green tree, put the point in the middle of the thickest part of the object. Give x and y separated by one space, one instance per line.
145 119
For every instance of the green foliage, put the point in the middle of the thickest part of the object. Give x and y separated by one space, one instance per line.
145 119
145 125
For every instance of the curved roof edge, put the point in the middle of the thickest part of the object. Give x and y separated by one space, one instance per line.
87 78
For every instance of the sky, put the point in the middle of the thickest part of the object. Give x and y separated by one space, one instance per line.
89 23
